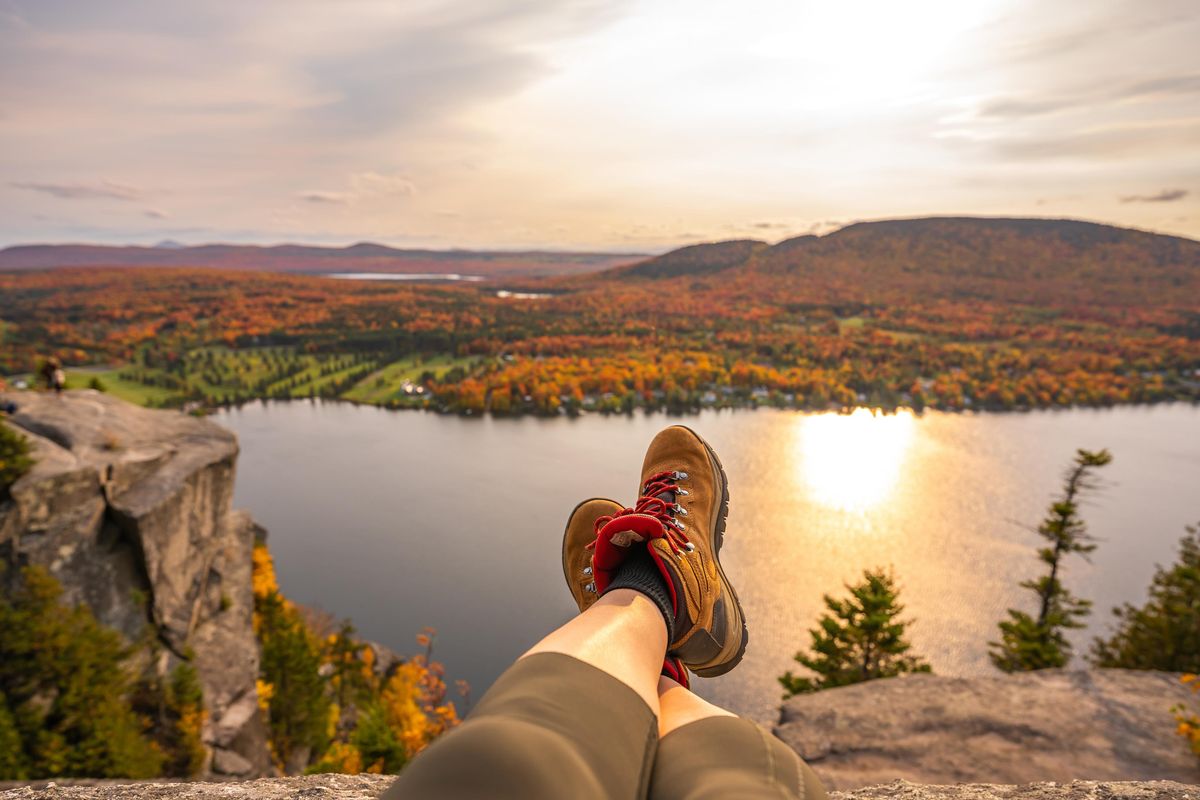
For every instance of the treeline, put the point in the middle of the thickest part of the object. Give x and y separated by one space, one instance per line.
331 706
607 345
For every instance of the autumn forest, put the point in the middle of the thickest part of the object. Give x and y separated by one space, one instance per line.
933 313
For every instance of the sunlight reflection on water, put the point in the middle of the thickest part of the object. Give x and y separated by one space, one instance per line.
851 462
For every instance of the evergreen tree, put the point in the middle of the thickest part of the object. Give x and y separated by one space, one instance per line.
298 710
1028 642
13 765
347 678
1163 634
65 690
14 457
860 639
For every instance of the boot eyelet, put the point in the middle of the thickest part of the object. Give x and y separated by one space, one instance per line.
682 492
587 570
679 476
591 587
680 510
689 547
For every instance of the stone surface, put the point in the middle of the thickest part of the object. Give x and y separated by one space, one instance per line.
1054 725
129 509
364 787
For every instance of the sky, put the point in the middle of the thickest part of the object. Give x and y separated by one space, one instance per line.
618 125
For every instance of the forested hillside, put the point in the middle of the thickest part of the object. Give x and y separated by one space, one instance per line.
946 313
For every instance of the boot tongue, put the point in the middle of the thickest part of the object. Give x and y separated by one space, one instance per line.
666 497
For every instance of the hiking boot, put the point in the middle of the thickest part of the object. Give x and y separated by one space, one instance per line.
578 537
680 520
576 553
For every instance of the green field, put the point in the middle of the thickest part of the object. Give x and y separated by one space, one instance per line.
220 376
117 386
385 385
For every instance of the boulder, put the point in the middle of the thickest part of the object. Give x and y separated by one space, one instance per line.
130 509
1052 725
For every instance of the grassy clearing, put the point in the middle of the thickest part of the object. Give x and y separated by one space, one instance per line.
218 375
114 384
386 384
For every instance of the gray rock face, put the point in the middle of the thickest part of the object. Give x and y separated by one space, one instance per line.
367 787
130 510
1054 725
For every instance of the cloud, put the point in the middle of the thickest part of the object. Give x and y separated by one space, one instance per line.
372 183
364 187
1117 142
329 198
154 213
1166 87
1165 196
81 191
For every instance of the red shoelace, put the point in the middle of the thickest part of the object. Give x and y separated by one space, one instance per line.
651 505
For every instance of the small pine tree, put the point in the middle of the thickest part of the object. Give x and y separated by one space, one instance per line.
862 638
1029 643
14 457
298 708
1163 634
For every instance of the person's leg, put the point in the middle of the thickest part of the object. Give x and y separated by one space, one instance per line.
705 752
622 634
573 717
678 707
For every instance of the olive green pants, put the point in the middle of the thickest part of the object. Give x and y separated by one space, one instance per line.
554 727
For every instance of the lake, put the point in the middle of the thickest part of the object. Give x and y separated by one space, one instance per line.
399 520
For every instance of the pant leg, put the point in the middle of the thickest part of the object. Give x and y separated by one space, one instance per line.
725 757
551 726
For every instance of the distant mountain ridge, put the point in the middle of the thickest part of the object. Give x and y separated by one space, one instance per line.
1010 259
360 257
696 259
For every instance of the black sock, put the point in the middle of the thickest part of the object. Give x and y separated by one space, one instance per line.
640 574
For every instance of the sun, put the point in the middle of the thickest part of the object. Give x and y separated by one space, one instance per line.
852 462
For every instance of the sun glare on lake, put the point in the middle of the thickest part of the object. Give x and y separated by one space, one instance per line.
852 462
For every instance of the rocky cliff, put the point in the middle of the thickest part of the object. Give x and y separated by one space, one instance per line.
1054 725
130 509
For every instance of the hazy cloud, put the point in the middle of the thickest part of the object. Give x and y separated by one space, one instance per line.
1165 196
79 191
563 123
330 198
364 187
1124 141
1164 88
373 183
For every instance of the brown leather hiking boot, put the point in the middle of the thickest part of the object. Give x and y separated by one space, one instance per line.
680 516
578 537
576 552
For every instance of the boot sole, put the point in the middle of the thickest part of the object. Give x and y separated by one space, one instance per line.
722 663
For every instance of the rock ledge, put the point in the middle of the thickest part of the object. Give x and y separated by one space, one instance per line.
365 787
